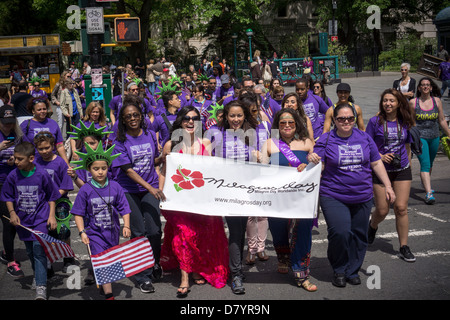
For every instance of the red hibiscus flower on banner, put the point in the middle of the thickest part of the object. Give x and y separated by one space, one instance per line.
186 179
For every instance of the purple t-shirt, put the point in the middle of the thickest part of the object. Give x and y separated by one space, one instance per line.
312 106
39 94
115 104
30 196
101 208
347 176
445 70
57 169
393 144
31 128
139 152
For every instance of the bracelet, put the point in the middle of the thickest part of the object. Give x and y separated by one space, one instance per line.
81 232
12 211
126 227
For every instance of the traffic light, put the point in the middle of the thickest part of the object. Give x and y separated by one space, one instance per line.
127 29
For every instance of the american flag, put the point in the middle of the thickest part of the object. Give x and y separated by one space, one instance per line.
54 249
123 260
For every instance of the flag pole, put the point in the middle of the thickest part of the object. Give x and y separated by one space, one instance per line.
93 271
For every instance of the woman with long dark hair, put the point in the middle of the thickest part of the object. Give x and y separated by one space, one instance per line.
390 131
195 243
429 113
136 173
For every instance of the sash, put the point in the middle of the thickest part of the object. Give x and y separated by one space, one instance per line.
287 152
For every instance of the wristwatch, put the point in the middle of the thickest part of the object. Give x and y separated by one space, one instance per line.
82 231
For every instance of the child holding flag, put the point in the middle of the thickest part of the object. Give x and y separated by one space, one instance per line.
100 202
30 196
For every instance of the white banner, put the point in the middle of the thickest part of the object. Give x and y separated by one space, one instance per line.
223 187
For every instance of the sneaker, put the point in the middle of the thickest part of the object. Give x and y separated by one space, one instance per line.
371 234
236 285
14 270
147 287
157 273
405 254
429 198
41 293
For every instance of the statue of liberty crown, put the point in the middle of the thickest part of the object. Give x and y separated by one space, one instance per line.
94 155
216 107
84 131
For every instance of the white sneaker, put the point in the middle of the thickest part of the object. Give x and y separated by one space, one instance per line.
41 293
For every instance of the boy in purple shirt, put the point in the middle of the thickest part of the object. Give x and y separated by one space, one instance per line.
30 196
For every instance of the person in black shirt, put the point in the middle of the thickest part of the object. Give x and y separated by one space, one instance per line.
19 101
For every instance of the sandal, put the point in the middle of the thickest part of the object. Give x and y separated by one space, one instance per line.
198 279
262 256
181 294
305 284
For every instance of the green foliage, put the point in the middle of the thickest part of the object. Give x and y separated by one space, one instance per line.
408 49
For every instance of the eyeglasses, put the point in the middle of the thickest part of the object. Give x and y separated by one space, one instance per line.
132 116
187 118
284 123
44 134
345 119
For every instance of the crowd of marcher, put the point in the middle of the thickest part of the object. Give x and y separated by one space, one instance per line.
120 166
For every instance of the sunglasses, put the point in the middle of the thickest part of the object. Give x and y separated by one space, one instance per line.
316 87
345 119
187 118
284 123
132 116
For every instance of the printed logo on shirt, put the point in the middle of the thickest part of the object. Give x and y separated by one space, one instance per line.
37 130
310 111
351 157
28 199
102 216
142 157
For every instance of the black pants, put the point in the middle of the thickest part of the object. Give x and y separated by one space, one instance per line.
9 232
237 227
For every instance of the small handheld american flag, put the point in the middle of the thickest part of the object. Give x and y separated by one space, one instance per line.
123 260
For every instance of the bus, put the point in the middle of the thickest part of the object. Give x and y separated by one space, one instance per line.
42 50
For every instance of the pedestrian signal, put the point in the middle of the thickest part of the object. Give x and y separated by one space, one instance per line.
127 29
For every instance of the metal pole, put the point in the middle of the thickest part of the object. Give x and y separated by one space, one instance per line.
250 47
235 58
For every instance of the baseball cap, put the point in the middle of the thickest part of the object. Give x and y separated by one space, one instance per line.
7 114
343 87
224 79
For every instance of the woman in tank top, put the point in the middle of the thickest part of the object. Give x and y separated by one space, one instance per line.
429 114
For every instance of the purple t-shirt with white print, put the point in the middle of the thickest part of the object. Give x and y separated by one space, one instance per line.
30 196
57 169
139 152
313 105
393 144
347 175
101 208
31 128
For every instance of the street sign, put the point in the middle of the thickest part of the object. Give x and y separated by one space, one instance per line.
127 29
332 30
97 77
94 20
97 94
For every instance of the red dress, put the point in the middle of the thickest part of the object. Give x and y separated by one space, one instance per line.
196 243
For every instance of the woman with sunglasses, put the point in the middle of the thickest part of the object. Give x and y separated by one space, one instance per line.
390 131
237 141
348 155
41 122
195 243
291 149
135 172
292 101
429 113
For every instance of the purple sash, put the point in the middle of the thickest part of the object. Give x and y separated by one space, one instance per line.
287 152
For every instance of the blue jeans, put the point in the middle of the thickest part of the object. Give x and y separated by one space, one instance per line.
347 234
38 261
445 85
145 220
296 244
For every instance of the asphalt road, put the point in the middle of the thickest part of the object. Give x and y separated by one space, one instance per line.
384 275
